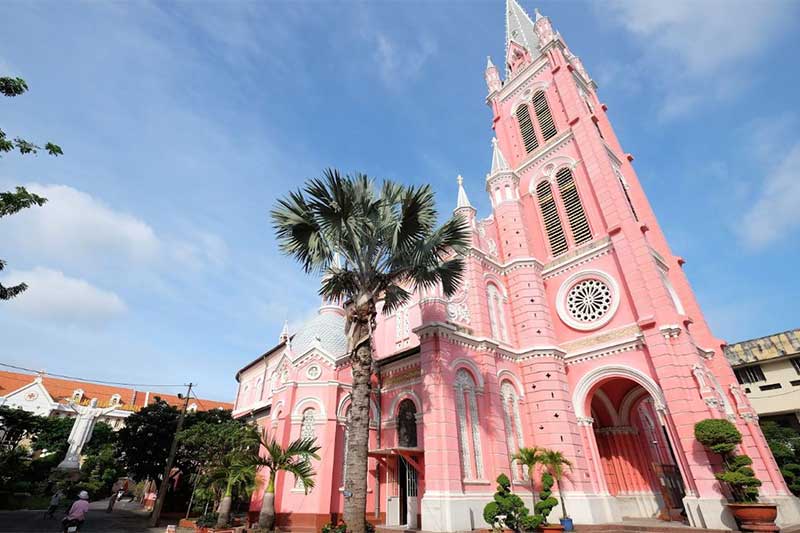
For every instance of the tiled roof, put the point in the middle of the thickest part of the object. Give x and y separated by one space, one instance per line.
773 346
61 391
327 328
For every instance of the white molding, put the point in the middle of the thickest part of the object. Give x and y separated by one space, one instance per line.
570 282
406 394
300 406
507 374
589 380
583 254
473 368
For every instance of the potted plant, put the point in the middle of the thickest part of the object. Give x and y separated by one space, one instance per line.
721 437
555 462
507 510
546 503
528 458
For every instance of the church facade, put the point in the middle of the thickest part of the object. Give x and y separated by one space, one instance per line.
575 329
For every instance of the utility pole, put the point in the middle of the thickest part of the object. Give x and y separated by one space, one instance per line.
162 489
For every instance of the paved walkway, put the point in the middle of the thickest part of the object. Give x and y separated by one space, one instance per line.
126 518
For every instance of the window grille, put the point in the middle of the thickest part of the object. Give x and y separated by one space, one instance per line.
552 223
526 128
796 364
578 224
749 374
543 115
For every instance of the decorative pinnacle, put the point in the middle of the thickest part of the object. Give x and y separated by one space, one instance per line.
489 63
463 201
285 331
538 15
499 162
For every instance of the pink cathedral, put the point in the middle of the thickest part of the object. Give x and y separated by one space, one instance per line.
575 329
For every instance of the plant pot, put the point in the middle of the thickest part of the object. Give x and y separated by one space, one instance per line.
566 523
761 515
551 527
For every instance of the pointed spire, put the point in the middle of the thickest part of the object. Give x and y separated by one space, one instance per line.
519 28
463 201
537 14
499 163
285 332
489 63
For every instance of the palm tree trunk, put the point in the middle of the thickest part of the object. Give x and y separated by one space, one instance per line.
561 497
224 510
266 518
533 496
355 502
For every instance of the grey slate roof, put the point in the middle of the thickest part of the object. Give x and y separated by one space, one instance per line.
328 327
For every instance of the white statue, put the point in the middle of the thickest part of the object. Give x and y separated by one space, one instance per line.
81 432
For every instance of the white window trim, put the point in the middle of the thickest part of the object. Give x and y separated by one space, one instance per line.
567 285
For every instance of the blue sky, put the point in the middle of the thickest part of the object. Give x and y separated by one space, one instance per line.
181 123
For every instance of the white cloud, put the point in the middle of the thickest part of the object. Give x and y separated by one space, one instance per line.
53 296
76 229
399 64
687 43
705 36
775 211
73 224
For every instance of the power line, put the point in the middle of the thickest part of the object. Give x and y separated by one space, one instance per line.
86 380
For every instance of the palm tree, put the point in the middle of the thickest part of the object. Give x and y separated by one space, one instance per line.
554 462
529 458
293 459
374 245
237 471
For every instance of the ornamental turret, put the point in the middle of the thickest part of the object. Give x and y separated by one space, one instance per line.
492 76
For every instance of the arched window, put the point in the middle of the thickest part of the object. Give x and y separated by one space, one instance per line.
407 424
77 395
468 429
307 431
513 424
116 399
543 115
497 314
526 128
578 224
552 223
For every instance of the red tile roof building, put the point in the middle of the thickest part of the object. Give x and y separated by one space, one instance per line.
45 395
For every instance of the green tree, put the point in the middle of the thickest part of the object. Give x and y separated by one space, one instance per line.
293 459
14 201
100 470
145 440
374 245
506 510
555 463
721 436
16 425
102 436
784 442
528 458
51 434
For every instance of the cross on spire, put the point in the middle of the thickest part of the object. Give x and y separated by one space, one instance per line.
463 201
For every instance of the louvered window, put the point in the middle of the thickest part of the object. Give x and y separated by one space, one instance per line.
526 128
572 205
546 124
552 223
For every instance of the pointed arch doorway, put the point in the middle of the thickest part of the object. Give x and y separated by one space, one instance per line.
635 462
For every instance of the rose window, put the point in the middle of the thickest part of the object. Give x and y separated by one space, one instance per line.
589 300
